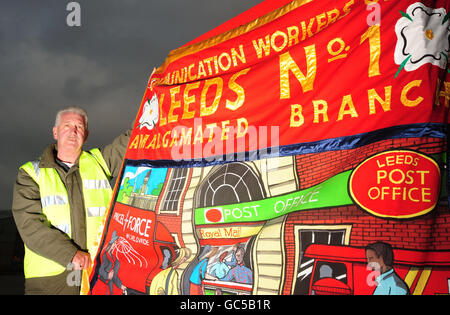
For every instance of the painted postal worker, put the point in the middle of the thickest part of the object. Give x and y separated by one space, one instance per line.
380 257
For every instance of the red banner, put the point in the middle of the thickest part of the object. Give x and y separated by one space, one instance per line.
295 149
291 77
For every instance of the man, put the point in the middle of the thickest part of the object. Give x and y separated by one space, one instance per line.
239 273
59 201
380 257
220 269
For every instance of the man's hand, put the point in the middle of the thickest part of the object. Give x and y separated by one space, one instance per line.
81 260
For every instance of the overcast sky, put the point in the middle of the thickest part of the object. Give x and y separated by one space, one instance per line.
102 65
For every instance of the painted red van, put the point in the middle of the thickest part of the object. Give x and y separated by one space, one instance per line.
343 270
143 245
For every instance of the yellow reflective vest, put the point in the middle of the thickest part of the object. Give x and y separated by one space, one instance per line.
97 194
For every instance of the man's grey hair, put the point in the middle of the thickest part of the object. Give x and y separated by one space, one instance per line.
72 109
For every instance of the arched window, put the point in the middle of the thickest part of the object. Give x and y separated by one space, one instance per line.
230 183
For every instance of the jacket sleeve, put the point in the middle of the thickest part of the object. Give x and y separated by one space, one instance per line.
33 226
114 153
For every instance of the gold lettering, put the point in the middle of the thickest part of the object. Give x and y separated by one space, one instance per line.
293 35
208 62
261 45
134 143
322 111
273 41
201 70
189 99
321 22
297 118
404 99
210 128
309 28
165 141
225 129
152 143
191 77
287 65
209 110
385 104
347 100
347 8
374 36
178 78
240 56
242 127
237 89
162 119
174 137
332 16
198 137
143 141
174 103
228 61
185 136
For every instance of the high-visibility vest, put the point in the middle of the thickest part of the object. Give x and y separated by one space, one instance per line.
97 194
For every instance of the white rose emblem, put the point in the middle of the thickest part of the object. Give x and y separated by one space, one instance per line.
150 114
423 36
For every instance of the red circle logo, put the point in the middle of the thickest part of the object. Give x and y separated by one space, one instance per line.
213 215
396 184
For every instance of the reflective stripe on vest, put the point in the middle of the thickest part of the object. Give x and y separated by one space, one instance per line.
55 206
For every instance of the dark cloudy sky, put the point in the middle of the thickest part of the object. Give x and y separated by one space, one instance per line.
102 65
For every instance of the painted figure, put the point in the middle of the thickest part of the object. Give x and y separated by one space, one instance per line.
380 257
239 273
110 267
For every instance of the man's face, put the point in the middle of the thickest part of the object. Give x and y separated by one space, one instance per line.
70 132
374 262
239 256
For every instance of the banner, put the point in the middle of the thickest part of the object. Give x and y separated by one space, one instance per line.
303 151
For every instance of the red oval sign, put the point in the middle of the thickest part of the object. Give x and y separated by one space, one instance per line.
396 184
213 215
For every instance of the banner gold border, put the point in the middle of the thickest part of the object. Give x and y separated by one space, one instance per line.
207 43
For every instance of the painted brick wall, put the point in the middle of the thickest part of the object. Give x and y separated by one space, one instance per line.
171 221
429 232
314 168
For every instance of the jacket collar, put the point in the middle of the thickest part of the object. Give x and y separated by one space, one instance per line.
384 275
49 158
